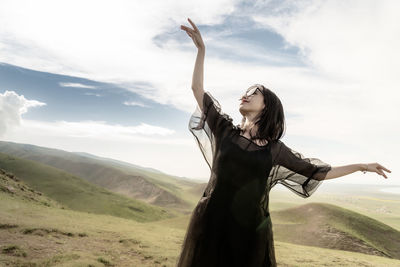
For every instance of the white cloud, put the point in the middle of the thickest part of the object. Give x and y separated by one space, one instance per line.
352 48
119 48
100 130
77 85
98 95
357 40
134 103
12 106
348 93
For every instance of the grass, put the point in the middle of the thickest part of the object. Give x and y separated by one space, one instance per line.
45 232
35 234
42 233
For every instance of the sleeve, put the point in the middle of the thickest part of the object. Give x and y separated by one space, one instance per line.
207 126
300 174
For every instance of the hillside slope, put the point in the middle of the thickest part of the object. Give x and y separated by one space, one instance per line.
78 194
123 178
13 186
329 226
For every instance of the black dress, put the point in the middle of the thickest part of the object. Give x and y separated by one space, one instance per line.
231 226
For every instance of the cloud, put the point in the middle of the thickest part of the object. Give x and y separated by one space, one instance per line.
352 39
12 106
138 48
344 89
99 130
77 85
133 103
98 95
352 49
120 49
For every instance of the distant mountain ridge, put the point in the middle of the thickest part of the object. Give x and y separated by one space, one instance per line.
85 154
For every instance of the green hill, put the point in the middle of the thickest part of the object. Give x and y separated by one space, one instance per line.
78 194
145 184
330 226
13 186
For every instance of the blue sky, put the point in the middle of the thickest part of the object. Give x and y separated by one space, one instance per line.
73 98
114 78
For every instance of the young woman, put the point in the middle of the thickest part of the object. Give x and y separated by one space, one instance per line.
230 225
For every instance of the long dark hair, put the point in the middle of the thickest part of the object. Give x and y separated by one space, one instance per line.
271 120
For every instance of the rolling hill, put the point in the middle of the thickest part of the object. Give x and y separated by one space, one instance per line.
35 234
146 184
330 226
78 194
13 186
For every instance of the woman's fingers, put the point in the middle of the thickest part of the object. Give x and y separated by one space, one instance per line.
186 29
381 168
194 26
195 29
384 168
194 34
379 171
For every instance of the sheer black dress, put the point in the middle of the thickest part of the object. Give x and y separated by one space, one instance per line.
231 226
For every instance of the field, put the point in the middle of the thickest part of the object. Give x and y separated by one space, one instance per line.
62 209
33 234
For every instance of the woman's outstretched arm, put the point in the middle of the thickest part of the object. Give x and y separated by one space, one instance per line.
339 171
198 78
198 73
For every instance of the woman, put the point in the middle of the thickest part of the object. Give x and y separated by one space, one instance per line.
230 225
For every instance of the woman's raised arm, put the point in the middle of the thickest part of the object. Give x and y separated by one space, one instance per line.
198 73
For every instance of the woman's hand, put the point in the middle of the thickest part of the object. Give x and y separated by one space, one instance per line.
375 167
194 34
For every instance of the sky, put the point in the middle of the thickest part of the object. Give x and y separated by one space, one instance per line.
113 78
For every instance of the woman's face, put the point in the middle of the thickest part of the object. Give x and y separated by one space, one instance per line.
252 101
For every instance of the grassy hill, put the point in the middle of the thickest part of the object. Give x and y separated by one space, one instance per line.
330 226
77 194
364 199
10 184
145 184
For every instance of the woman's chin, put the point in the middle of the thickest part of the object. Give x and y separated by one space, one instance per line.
242 110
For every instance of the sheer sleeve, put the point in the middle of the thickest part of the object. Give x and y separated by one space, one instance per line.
300 174
208 126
